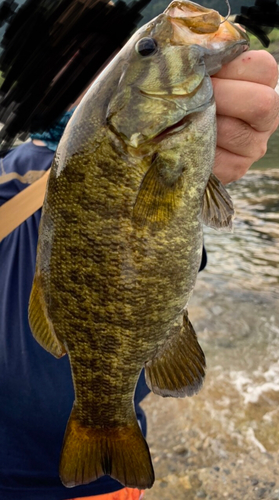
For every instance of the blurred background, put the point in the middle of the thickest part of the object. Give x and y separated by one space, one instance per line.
51 49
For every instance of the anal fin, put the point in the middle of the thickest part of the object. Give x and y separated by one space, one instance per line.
178 368
40 324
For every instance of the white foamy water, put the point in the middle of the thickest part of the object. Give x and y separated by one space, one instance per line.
252 388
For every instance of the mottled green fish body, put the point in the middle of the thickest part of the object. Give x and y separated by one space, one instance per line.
121 236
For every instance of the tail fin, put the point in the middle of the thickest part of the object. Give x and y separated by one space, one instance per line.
89 453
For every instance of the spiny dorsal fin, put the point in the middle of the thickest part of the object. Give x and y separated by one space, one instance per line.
217 209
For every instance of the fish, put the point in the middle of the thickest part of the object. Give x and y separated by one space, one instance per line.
121 235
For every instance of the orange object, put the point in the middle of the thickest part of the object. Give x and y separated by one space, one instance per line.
124 494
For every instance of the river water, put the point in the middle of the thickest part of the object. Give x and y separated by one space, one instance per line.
250 256
224 442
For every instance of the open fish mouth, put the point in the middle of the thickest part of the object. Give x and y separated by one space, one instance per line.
195 24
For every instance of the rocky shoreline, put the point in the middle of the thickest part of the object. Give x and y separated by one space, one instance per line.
223 443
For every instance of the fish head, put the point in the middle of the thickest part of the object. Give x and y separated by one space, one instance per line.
165 70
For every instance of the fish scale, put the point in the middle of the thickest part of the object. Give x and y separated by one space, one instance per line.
120 239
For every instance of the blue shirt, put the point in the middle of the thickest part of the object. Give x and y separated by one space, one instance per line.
36 391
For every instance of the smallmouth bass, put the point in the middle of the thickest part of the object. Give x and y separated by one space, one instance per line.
120 238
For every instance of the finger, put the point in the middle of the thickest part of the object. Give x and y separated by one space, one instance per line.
230 167
238 137
255 104
253 66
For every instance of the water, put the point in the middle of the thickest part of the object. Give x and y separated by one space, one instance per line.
250 256
237 301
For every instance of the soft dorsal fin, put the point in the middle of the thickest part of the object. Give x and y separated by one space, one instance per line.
217 209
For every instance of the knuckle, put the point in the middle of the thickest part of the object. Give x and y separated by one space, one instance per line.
270 67
260 151
268 106
243 166
253 144
243 135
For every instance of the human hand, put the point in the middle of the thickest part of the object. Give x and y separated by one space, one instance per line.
247 112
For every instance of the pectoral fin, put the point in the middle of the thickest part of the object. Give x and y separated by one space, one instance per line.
217 210
160 192
178 368
40 324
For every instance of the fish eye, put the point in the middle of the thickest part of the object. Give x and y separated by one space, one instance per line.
146 46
